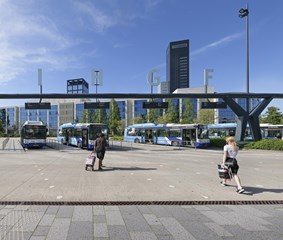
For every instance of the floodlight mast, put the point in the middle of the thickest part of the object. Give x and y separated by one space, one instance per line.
245 13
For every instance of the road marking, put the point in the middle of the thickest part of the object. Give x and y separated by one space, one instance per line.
59 197
51 186
149 179
197 172
171 186
45 179
42 173
204 196
259 185
132 173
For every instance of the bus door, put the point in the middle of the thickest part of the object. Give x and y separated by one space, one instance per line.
186 136
190 136
149 136
84 138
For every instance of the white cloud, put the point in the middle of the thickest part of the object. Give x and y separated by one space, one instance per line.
217 43
28 40
100 19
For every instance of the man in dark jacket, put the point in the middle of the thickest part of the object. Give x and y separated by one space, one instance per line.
100 147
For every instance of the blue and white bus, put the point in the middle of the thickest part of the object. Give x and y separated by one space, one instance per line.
33 134
82 135
222 130
168 134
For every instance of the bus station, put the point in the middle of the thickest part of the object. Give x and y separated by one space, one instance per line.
142 193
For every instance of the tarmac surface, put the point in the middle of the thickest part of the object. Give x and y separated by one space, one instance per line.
144 192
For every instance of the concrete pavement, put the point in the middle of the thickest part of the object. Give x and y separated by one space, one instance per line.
136 172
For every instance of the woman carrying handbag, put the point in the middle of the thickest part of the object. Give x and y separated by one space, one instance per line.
229 160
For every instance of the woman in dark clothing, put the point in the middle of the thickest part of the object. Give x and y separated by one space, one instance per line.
100 148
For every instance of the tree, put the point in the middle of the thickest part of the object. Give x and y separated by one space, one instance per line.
2 130
152 114
171 113
205 116
3 116
139 119
85 116
272 116
188 114
114 118
100 116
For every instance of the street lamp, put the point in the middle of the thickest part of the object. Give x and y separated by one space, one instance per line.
244 13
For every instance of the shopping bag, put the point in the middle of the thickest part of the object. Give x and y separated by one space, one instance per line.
90 160
224 172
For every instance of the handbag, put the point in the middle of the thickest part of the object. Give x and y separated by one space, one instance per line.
224 172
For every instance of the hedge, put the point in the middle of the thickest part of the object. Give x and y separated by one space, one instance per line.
266 144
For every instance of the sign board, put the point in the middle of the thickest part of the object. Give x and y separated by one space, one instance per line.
155 104
96 105
37 105
212 105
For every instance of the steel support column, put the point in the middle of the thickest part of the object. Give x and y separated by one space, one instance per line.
242 120
245 117
254 118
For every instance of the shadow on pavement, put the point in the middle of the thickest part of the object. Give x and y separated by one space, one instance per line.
106 169
257 190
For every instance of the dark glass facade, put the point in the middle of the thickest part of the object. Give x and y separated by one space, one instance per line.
177 65
77 86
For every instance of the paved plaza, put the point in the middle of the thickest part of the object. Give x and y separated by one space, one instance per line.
48 194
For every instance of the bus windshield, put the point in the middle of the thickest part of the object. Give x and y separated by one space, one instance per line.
33 132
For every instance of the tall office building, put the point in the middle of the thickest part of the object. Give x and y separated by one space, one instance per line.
177 65
77 86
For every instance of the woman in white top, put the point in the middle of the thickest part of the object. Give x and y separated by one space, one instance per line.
230 153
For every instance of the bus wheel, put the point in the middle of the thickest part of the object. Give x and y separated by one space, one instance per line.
137 140
174 143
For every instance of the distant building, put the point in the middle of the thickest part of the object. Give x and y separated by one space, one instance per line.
77 86
177 65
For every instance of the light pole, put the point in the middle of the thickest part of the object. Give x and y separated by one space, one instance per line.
244 12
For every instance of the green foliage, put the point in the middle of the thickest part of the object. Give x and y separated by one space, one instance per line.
117 138
100 116
152 114
266 144
217 142
138 120
188 113
114 118
85 116
171 114
272 116
206 116
2 130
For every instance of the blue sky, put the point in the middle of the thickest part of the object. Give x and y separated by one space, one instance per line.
127 38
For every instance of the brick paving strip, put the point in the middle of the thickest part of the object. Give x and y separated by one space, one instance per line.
140 222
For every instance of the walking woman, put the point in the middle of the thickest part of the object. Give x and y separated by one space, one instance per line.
229 158
100 148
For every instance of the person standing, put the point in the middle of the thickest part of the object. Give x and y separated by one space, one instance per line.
100 148
229 158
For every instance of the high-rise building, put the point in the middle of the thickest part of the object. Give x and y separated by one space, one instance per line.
177 65
77 86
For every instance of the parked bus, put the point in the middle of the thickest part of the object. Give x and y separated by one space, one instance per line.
168 134
33 134
222 130
81 135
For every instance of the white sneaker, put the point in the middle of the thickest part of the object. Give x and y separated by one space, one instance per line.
241 190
